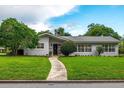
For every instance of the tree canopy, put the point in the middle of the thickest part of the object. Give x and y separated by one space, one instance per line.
61 32
43 32
16 35
101 30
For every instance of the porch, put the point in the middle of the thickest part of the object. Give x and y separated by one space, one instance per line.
54 46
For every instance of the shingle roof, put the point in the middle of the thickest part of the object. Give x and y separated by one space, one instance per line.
91 39
86 39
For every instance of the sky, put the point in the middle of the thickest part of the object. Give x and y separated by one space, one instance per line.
74 18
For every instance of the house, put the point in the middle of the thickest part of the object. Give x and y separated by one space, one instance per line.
2 49
86 45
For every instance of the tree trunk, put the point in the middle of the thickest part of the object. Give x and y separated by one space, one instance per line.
14 52
123 45
99 53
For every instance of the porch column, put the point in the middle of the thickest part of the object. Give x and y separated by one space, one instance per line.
77 47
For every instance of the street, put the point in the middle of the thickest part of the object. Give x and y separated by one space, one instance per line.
62 85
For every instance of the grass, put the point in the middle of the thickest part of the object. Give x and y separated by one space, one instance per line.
97 68
24 68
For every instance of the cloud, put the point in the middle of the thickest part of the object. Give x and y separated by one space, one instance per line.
74 29
76 32
33 14
40 26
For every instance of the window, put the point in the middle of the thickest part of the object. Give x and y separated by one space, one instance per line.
109 48
88 48
84 48
81 48
105 48
40 45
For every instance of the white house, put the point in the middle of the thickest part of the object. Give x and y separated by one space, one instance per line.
86 45
2 49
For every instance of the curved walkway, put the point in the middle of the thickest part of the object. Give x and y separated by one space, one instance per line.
58 70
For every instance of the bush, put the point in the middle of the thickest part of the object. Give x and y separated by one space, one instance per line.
99 49
121 50
9 54
50 53
67 48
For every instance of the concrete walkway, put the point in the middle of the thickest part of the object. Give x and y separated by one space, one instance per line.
58 70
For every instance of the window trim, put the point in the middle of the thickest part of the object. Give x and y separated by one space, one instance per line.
84 48
41 46
109 48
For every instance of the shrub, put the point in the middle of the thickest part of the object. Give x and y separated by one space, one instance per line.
99 50
9 54
67 48
121 50
50 53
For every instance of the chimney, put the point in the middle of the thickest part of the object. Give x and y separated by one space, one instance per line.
56 33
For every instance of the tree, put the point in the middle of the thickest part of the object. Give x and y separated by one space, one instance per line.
61 32
122 41
67 34
121 45
101 30
99 50
16 35
42 32
67 48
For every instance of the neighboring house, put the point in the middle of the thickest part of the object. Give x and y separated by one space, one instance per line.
86 45
2 49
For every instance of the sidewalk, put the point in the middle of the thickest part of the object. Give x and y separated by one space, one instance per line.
58 70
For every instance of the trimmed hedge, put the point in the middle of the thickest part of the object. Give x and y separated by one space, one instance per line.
67 48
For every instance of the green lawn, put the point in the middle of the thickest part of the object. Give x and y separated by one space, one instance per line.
98 68
24 68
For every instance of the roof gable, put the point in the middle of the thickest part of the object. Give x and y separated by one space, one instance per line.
53 36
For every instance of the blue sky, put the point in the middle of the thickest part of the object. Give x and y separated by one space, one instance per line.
73 18
81 16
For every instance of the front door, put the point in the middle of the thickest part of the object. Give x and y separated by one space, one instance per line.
55 49
20 52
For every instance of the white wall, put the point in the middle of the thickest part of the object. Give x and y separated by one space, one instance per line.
48 47
116 53
39 51
82 53
93 52
86 53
